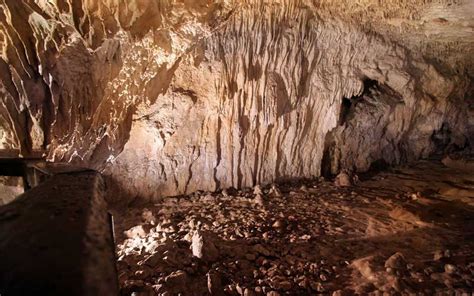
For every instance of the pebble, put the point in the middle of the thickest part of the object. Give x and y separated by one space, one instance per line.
449 268
135 232
343 180
257 190
438 255
259 200
239 289
396 261
275 191
277 224
208 198
148 217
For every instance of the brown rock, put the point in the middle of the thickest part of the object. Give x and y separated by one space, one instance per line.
438 255
214 283
275 191
148 217
449 268
203 247
343 180
257 190
278 224
136 231
396 261
258 200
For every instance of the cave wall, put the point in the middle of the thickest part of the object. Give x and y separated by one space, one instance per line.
169 97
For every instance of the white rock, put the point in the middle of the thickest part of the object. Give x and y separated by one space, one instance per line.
257 190
203 248
275 191
136 231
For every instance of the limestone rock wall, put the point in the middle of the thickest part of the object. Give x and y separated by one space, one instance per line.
170 97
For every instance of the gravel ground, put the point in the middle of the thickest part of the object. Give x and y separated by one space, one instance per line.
407 230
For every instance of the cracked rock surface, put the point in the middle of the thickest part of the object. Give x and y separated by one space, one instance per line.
407 230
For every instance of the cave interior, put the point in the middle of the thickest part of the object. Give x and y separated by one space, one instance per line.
236 147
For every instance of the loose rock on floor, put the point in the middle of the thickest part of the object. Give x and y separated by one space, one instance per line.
307 237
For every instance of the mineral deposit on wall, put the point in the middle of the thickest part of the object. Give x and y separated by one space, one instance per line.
169 97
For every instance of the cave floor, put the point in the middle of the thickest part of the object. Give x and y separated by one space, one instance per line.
405 230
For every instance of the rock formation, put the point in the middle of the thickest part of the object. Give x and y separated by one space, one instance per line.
170 97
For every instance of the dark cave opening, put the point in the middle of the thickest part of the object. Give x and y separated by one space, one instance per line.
348 104
441 139
347 110
326 163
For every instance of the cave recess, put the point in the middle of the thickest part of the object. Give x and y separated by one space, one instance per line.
169 97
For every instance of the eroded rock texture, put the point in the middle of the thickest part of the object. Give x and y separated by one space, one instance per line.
168 97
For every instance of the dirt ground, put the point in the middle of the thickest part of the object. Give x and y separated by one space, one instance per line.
402 231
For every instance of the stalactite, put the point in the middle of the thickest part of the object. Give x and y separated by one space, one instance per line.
168 98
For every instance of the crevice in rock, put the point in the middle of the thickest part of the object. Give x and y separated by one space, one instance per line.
188 92
345 110
441 138
327 169
348 104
